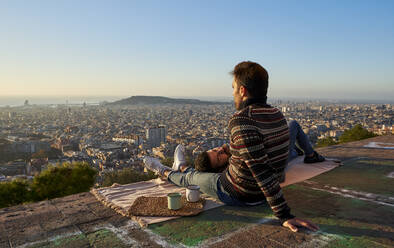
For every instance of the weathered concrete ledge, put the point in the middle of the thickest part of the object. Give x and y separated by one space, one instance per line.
352 204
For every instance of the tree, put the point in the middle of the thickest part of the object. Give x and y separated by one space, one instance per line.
14 193
356 133
63 180
328 141
168 161
56 181
125 176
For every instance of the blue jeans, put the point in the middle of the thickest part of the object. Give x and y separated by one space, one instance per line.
209 184
297 134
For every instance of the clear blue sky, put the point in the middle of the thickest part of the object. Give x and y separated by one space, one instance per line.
313 49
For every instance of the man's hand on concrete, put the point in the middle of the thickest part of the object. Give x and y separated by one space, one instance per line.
292 224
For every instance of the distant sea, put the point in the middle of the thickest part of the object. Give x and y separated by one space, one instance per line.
20 100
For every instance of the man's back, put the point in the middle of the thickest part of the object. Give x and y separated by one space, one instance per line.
259 148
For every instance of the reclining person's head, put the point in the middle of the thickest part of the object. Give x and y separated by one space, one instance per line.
214 160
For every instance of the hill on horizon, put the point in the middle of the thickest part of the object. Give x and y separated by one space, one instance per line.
133 100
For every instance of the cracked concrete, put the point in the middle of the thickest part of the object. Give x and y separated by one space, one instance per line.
361 221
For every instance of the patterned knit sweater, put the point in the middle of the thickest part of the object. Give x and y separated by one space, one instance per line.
259 148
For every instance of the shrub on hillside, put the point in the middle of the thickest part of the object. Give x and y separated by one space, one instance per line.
168 161
62 180
66 179
328 141
14 193
125 176
356 133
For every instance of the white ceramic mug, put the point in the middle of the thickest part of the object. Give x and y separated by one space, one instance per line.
193 193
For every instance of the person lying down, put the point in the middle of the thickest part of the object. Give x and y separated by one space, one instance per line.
217 159
210 165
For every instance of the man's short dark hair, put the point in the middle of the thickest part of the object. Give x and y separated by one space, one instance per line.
202 163
253 77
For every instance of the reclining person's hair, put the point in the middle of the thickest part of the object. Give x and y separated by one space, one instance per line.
202 163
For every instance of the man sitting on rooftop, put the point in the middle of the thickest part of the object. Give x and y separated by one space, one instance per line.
259 147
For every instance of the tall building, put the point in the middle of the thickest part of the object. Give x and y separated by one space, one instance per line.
156 135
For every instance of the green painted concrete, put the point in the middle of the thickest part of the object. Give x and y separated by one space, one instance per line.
319 204
212 223
102 238
105 238
377 162
361 175
354 242
357 222
72 241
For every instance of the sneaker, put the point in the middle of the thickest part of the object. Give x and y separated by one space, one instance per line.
154 165
179 157
314 159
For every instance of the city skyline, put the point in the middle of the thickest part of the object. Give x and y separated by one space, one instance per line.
18 101
315 50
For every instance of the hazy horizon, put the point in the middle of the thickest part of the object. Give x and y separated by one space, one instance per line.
311 49
15 101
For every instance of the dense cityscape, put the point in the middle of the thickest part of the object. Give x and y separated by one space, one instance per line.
115 137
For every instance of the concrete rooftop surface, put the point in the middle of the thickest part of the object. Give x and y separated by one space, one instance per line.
352 204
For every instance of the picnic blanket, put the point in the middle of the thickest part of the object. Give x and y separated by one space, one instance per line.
158 206
121 197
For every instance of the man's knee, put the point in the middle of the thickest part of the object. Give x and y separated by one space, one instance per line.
293 124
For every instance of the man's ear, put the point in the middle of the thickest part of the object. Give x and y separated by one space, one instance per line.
243 91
